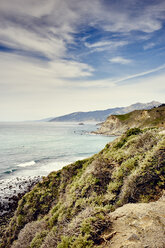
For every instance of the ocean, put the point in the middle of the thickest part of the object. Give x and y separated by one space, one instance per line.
36 148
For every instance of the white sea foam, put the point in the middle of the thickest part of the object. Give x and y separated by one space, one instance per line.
26 164
53 166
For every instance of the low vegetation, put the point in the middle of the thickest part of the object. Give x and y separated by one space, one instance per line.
154 117
118 124
70 208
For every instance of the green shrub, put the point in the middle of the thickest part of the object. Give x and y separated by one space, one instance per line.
65 242
20 220
133 131
114 186
38 239
130 164
82 242
121 143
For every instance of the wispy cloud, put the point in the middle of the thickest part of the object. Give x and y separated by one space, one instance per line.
31 73
105 45
148 46
120 60
45 36
43 26
112 83
139 74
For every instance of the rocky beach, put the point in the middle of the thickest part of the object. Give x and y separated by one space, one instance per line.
11 191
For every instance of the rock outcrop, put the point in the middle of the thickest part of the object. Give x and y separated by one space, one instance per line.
140 225
112 126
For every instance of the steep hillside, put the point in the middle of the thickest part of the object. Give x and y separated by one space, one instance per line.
101 115
73 207
117 124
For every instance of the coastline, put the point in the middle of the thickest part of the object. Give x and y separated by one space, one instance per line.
106 134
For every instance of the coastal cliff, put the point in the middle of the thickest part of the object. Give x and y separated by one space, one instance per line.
118 124
111 196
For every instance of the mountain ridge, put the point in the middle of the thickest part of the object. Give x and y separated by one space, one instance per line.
101 115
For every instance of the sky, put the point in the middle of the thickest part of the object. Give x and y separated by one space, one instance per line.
63 56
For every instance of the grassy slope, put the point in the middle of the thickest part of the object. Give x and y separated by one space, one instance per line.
144 118
70 208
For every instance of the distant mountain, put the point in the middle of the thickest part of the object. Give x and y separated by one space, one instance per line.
45 119
118 124
101 115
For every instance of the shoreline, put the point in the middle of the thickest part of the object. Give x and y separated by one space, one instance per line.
12 190
105 134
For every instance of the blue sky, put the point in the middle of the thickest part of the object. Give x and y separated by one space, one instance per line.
61 56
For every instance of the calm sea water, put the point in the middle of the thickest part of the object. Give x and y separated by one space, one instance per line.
35 149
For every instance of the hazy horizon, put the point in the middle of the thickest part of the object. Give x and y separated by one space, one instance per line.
63 56
53 116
